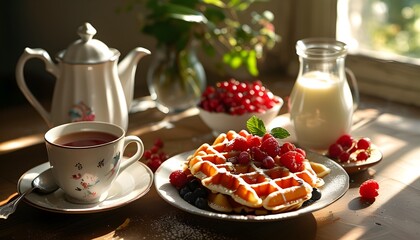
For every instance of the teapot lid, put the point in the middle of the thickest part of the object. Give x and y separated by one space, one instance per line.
86 50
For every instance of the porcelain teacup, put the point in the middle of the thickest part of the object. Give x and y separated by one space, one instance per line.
86 158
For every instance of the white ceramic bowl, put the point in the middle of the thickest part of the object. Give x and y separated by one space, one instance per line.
223 122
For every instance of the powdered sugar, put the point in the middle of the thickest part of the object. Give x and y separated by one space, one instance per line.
173 227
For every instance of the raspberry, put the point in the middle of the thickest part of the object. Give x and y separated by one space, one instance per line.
293 161
369 189
239 144
266 136
363 143
344 157
362 156
335 150
178 179
346 141
254 141
286 147
301 151
270 146
257 154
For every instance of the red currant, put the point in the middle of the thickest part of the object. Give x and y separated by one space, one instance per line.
244 158
154 164
234 97
147 154
159 143
154 157
268 162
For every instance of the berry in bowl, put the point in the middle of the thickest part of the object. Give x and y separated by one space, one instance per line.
354 154
229 104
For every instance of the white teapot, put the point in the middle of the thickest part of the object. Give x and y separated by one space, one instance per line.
90 86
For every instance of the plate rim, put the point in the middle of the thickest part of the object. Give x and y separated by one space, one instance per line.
88 208
159 174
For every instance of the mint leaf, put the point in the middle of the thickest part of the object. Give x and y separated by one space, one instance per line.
279 132
256 126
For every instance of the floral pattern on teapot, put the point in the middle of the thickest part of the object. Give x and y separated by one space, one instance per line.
81 112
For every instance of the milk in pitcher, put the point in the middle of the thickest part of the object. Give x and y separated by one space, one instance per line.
321 109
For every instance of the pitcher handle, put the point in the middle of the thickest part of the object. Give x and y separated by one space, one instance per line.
356 96
28 54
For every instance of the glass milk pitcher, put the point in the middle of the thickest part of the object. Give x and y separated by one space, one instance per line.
321 104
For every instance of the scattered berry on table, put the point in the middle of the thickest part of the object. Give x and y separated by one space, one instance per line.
369 189
155 156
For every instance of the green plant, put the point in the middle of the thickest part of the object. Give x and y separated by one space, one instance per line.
215 24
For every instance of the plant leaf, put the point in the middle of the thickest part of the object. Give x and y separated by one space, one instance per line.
184 13
256 126
279 132
217 3
251 63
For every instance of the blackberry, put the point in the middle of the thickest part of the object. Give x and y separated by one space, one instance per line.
201 203
193 184
189 197
183 191
316 194
200 192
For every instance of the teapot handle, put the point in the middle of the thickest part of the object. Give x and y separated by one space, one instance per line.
49 66
356 97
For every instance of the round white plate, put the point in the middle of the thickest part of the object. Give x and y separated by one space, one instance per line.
130 185
336 184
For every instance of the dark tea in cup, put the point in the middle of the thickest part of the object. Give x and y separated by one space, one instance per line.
85 139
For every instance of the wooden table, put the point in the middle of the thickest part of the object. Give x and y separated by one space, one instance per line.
395 214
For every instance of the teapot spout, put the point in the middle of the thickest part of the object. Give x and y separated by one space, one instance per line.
127 70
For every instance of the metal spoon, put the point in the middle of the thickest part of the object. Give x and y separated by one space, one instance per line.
43 183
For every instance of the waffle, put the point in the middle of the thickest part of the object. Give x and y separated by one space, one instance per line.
250 187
